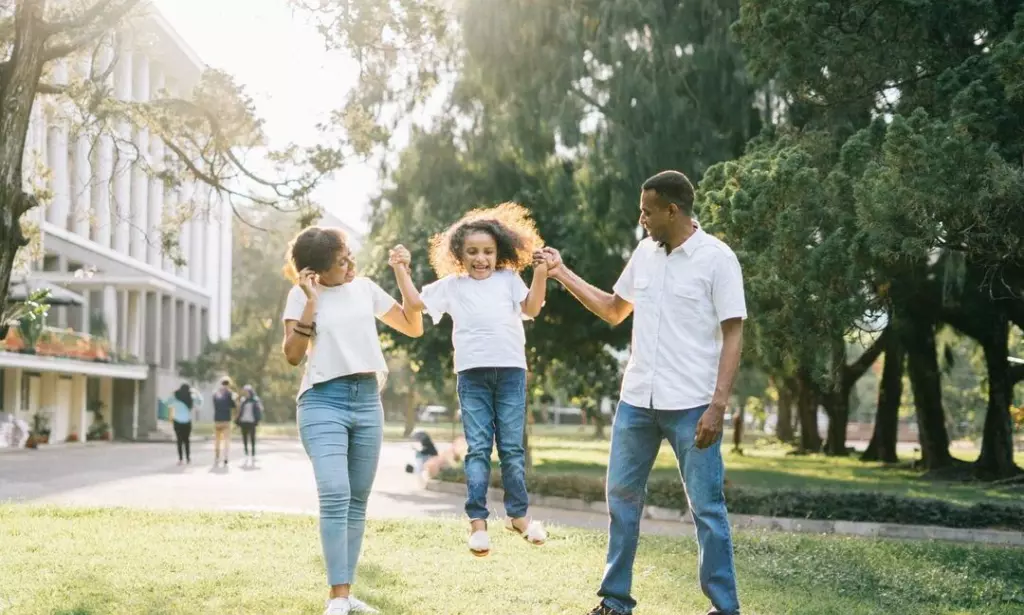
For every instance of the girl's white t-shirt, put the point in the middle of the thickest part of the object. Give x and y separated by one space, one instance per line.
487 316
346 339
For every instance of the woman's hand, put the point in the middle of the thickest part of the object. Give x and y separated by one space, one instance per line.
308 280
400 257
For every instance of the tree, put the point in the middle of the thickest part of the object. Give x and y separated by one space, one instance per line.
65 53
895 111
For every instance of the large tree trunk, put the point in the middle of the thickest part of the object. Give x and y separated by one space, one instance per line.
838 407
923 366
996 459
807 407
19 80
784 421
890 391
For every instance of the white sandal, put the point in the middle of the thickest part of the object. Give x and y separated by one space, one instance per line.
480 543
534 533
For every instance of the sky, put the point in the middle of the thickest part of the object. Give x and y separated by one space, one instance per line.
280 59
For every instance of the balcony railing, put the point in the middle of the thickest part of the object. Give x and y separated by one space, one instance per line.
67 344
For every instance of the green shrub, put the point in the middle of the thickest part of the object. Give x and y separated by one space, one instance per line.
817 504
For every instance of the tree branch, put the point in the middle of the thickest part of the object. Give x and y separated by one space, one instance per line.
853 372
50 88
91 24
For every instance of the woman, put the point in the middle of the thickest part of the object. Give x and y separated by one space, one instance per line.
249 416
329 319
180 405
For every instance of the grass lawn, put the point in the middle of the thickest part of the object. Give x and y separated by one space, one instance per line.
114 561
770 467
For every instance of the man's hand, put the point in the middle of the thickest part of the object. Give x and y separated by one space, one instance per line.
709 426
553 259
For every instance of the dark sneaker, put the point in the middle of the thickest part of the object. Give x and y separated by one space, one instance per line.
605 610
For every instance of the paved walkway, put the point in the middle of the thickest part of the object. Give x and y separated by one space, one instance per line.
147 476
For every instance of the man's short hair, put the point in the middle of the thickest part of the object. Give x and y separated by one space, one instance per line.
226 382
672 187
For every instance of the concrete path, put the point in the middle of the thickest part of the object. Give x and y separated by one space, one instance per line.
147 476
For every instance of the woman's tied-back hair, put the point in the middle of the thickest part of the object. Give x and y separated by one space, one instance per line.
316 247
184 395
509 224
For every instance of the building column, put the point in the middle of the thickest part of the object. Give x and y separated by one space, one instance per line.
184 336
81 185
103 165
107 400
198 220
135 409
141 228
61 311
212 265
121 209
57 155
170 327
154 328
110 305
155 250
184 231
198 343
86 313
79 406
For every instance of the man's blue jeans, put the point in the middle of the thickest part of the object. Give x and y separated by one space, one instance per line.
637 434
341 423
493 401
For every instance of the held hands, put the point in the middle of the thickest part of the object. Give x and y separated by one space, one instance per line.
308 279
399 258
549 259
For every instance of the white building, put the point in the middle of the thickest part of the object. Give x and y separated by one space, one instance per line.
152 313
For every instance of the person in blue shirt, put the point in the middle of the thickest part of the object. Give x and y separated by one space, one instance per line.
181 405
224 406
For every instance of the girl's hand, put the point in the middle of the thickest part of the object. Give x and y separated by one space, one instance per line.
308 279
399 256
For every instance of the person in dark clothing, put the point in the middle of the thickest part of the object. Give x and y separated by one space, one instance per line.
180 405
223 410
249 416
425 450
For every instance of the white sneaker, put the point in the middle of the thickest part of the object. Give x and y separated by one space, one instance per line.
480 543
338 606
358 606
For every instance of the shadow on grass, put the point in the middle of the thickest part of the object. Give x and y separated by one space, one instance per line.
370 587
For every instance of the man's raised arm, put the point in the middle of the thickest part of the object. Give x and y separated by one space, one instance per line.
609 307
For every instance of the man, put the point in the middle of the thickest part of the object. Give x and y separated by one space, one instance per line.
223 412
685 291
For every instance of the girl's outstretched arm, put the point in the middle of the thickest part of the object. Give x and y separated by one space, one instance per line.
408 318
538 288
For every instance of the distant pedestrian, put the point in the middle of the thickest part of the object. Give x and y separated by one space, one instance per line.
249 416
224 406
181 406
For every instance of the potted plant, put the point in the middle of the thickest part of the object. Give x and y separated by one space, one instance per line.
33 309
72 437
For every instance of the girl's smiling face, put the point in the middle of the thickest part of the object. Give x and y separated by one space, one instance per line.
479 255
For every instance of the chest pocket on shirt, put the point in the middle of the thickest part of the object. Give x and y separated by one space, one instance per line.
690 297
641 287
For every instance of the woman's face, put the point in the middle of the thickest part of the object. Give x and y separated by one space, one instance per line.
342 271
479 255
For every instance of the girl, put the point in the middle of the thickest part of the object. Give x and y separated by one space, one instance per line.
180 405
478 260
329 319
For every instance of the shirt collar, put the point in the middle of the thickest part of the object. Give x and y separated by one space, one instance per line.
692 242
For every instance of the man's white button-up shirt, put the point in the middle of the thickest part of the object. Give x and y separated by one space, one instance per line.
679 301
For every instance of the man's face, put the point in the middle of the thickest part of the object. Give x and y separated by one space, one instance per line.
654 215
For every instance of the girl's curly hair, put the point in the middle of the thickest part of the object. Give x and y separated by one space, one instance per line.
316 247
509 224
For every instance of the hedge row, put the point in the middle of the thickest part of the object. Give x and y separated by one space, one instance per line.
811 504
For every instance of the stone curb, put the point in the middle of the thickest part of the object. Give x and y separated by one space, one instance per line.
862 529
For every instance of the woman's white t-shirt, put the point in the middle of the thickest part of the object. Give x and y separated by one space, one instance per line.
346 339
487 316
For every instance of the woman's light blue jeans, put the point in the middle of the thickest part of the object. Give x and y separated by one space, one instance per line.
341 423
